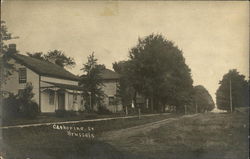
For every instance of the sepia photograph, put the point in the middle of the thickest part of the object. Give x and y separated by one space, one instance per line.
124 79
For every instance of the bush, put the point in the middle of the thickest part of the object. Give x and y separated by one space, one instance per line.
21 105
61 113
103 110
64 113
10 109
30 110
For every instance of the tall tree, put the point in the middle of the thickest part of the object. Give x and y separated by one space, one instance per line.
6 68
159 72
92 83
125 89
239 91
202 100
56 56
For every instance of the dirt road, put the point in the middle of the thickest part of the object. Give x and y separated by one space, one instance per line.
125 133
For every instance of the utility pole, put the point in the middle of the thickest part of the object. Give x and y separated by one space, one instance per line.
126 110
185 109
90 104
230 89
139 112
196 107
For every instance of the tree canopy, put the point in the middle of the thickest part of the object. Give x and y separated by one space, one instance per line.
239 90
6 68
56 56
156 69
202 100
91 81
125 90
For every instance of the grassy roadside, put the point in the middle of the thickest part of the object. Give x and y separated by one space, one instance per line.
206 136
47 118
45 142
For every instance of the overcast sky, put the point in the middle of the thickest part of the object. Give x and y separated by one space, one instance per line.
214 36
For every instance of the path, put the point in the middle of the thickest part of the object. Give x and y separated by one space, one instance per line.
78 121
127 132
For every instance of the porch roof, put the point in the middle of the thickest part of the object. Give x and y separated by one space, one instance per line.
62 86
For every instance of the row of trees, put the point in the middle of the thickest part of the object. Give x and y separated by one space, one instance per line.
156 69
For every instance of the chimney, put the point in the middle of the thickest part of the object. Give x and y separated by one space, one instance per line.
12 48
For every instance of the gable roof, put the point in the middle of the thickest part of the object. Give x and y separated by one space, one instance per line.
108 74
44 68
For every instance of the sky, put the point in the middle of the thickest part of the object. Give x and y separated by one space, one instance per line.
214 36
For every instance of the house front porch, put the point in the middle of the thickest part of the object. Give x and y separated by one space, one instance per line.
55 96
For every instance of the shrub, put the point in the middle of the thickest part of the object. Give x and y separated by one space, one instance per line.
103 110
63 113
10 107
30 110
20 105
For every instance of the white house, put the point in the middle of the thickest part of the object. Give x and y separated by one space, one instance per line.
54 87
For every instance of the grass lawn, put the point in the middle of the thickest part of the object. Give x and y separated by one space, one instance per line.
205 136
51 117
45 142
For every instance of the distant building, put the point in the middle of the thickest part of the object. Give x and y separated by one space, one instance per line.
111 82
54 87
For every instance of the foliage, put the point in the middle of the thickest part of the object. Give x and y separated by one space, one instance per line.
21 105
61 113
239 89
103 110
28 108
158 71
125 89
202 99
10 107
92 82
6 68
56 56
26 95
37 55
60 58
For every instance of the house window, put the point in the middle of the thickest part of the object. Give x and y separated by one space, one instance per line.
51 97
111 100
22 75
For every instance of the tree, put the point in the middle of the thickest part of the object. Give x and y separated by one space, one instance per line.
37 55
6 68
60 58
125 89
92 82
202 100
56 56
239 91
159 72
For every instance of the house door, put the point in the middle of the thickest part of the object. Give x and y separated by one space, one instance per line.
61 100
